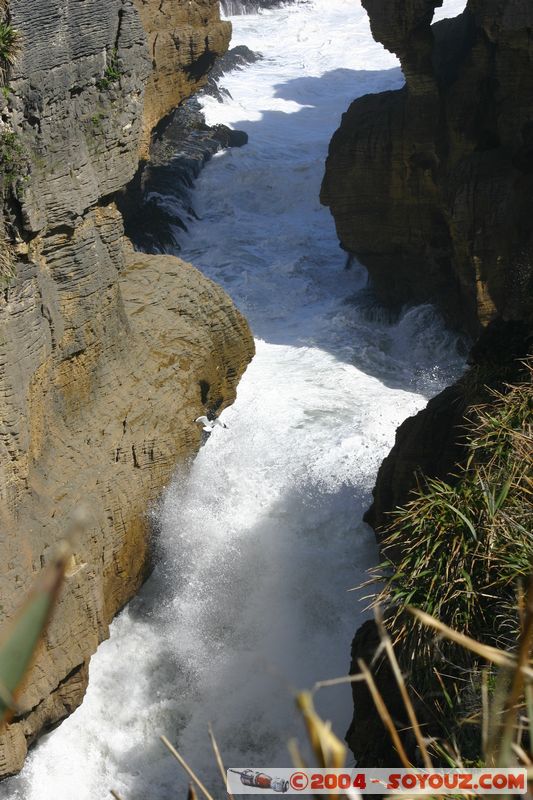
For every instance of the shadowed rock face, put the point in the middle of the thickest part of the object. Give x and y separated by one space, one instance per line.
184 39
431 186
430 443
157 204
106 357
249 6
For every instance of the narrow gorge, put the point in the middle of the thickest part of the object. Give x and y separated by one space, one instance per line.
312 236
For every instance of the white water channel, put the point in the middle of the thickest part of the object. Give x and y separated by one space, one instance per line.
261 540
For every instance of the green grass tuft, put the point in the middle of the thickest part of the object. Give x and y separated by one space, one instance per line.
466 546
112 72
9 44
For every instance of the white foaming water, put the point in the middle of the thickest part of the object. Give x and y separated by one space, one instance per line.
261 539
450 8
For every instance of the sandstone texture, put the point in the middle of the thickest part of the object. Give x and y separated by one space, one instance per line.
430 186
184 39
106 356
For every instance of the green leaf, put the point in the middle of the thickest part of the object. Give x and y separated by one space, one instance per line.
465 519
21 635
467 580
502 497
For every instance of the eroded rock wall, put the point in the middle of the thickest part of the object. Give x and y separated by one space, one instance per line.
430 186
106 357
249 6
184 39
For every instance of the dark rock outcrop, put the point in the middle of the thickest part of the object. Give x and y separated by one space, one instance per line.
367 737
231 7
430 186
238 57
157 204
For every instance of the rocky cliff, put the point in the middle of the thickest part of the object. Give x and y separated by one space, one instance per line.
432 442
184 40
249 6
431 186
106 356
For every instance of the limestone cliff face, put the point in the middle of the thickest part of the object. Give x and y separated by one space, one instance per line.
431 186
106 357
248 6
184 40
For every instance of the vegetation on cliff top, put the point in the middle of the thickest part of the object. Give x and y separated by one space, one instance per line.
466 544
9 46
462 551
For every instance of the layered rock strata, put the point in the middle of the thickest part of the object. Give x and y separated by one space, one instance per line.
430 186
249 6
157 204
184 39
106 357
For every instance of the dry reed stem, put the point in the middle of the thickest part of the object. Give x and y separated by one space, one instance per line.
383 712
487 652
218 758
387 643
191 794
517 685
186 767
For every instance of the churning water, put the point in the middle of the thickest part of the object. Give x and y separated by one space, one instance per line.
262 538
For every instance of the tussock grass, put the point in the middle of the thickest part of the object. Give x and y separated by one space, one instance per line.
112 72
466 546
10 45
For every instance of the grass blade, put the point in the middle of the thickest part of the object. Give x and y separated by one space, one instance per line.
384 713
22 634
218 758
186 767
